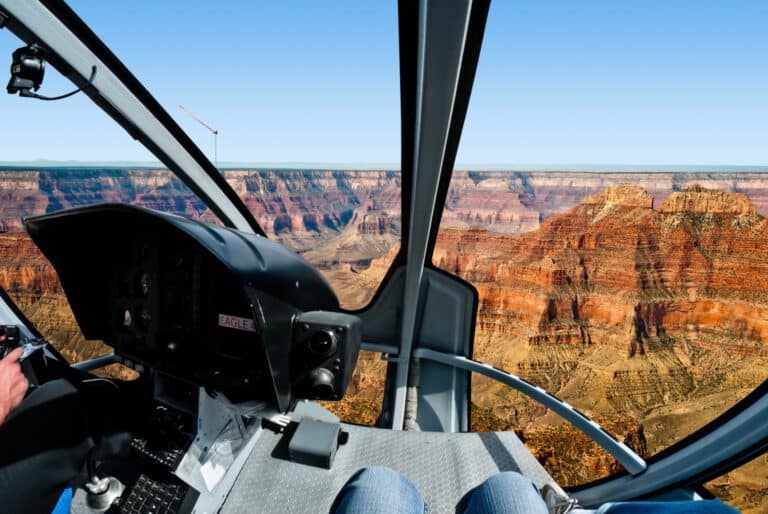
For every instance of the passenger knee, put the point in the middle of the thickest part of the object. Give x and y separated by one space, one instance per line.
377 490
509 481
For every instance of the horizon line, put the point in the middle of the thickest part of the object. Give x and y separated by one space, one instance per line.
234 165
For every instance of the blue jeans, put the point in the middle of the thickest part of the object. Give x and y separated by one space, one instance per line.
379 490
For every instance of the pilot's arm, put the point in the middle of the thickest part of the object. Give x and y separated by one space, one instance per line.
13 384
38 459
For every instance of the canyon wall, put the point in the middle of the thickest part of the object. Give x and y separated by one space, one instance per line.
304 207
639 298
341 220
637 312
514 202
32 283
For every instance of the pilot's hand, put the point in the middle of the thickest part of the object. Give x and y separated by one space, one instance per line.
13 384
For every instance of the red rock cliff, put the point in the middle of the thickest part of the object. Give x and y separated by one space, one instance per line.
621 308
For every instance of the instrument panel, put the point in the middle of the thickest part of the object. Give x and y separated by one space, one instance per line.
208 305
172 306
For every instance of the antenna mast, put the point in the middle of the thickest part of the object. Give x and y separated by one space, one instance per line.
211 129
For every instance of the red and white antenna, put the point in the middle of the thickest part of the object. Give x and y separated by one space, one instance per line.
211 129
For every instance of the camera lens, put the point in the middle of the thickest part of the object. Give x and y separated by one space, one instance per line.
322 342
321 383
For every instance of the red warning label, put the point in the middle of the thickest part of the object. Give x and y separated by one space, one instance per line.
225 320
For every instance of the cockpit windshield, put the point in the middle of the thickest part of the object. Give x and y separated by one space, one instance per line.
608 203
311 146
618 286
280 89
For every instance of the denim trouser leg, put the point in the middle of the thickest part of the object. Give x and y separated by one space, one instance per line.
506 493
379 490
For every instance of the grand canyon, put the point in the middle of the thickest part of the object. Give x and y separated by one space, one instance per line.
640 298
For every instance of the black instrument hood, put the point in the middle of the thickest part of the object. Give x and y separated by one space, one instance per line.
73 237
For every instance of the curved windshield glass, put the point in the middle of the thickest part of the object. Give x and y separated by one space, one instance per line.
56 157
304 100
297 105
345 222
31 190
620 288
634 291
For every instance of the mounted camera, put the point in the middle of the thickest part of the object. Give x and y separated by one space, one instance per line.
27 71
324 354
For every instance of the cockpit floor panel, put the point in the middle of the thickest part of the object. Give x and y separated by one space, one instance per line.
444 467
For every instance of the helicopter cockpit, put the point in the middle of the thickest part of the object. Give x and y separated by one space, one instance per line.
235 338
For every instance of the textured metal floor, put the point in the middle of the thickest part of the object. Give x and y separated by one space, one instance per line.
443 466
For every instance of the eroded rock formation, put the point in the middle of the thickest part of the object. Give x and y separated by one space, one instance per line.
657 314
643 304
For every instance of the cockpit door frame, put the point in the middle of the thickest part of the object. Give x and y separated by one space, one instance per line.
439 49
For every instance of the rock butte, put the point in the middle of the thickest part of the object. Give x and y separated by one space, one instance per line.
622 309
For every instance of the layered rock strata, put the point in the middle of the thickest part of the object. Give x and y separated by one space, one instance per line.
659 314
644 305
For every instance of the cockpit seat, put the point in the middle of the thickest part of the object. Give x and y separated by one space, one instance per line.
64 505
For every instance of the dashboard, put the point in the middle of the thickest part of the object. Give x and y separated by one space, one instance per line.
207 305
172 304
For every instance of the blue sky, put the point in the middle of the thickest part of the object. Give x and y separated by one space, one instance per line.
651 82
